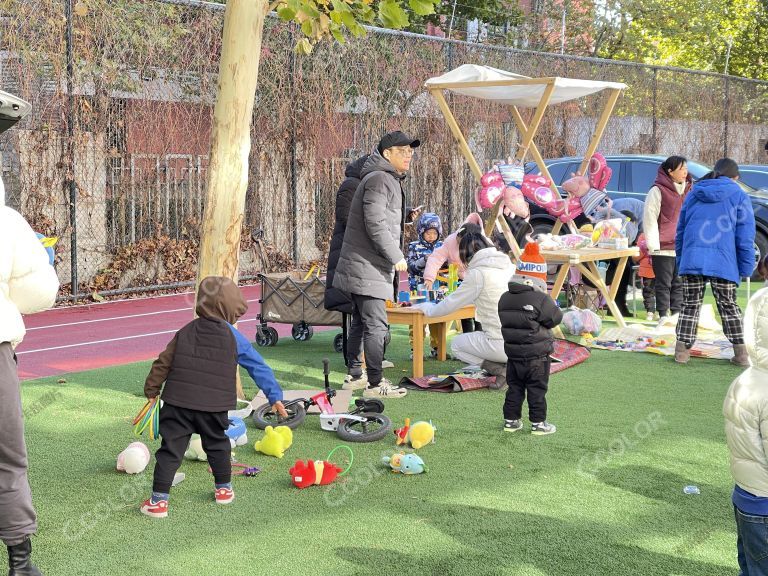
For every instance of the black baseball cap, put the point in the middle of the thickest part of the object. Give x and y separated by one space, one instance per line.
397 139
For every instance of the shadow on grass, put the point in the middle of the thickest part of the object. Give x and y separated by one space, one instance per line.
506 542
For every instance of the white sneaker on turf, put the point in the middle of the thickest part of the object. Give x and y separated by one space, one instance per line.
355 383
386 364
385 389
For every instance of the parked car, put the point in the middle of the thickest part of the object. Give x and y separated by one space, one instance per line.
756 175
633 176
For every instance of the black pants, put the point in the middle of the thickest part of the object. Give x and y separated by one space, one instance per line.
367 333
669 286
176 427
531 376
470 325
626 278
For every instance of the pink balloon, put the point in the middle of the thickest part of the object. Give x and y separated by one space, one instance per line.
491 178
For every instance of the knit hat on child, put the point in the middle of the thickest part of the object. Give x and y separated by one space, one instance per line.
531 268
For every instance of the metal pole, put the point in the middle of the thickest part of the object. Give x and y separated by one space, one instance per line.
294 163
562 34
655 119
71 149
726 114
450 25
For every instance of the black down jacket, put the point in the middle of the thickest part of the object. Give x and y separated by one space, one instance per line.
374 236
527 315
335 299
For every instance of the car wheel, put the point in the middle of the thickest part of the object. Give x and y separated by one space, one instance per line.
761 251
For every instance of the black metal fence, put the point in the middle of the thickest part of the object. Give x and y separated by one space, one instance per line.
113 160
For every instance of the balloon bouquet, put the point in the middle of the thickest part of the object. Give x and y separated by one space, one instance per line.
586 195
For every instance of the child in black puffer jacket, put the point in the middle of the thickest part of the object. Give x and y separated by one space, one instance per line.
527 315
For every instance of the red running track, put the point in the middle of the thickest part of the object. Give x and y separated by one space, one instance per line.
112 333
91 336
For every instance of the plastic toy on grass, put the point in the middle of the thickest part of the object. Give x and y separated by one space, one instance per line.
318 472
418 435
133 459
275 442
237 432
405 463
195 449
365 423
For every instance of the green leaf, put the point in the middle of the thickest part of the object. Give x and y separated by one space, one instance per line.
303 47
338 35
422 7
348 19
392 15
286 13
306 28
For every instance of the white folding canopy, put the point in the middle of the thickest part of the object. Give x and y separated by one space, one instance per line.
519 91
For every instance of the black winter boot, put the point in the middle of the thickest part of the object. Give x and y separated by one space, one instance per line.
19 560
496 369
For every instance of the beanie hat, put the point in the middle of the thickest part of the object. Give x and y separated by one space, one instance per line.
531 268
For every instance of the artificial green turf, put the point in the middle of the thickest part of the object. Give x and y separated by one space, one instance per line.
604 495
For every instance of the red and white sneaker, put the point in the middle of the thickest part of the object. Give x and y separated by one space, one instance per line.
157 510
224 495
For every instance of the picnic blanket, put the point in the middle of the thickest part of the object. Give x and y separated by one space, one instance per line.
565 355
710 340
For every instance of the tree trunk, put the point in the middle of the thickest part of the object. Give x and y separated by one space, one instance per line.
231 141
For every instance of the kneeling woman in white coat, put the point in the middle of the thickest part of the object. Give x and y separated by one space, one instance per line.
486 278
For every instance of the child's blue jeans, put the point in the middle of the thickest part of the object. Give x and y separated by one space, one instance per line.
752 543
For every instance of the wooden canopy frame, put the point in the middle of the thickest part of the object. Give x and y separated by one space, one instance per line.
528 133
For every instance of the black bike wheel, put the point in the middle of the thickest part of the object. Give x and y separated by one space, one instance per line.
263 416
376 427
338 343
272 336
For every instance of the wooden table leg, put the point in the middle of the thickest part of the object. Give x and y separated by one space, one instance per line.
622 264
418 346
562 274
591 272
440 330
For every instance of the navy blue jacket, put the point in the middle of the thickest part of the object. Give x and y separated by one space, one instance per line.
716 231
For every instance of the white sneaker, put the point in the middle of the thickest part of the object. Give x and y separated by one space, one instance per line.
387 364
385 389
649 316
352 383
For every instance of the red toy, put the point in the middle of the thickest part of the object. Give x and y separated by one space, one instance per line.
310 473
318 472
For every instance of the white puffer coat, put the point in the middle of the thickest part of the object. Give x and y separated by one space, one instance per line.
746 404
28 283
485 281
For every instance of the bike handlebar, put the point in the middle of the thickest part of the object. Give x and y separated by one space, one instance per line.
326 367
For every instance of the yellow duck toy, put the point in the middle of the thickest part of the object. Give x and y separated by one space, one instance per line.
418 435
275 442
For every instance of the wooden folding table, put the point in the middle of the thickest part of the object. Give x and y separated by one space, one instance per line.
410 316
585 260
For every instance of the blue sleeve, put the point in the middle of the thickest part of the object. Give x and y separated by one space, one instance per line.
252 361
745 237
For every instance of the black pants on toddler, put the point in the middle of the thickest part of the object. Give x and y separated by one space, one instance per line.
531 377
176 427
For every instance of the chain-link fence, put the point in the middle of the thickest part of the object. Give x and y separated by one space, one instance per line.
113 160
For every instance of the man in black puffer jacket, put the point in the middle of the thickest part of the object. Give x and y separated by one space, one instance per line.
527 315
335 299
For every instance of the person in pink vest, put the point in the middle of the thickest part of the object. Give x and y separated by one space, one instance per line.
660 215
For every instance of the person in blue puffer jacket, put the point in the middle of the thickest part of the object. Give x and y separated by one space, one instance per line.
715 244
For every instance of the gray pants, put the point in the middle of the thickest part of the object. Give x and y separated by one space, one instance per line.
368 331
17 517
